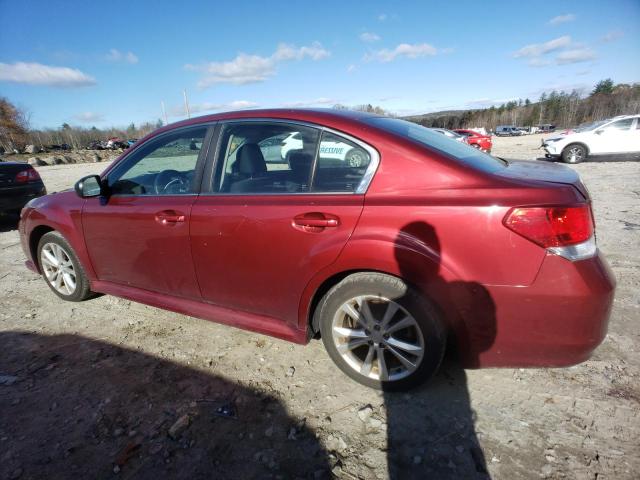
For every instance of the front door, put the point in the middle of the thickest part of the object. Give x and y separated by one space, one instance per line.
139 235
266 228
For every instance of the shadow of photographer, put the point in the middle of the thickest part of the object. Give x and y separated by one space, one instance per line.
73 407
431 431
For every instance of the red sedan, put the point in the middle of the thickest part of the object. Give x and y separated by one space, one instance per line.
425 240
477 140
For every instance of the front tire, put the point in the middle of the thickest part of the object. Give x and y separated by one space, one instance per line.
574 153
61 268
381 332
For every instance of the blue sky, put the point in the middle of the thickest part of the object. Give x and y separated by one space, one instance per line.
112 63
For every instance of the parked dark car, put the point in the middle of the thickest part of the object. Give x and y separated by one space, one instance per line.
426 239
19 183
62 146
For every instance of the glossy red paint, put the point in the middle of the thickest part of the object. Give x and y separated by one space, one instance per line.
483 142
435 222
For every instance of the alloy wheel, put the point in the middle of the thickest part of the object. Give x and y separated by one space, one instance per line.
378 338
58 268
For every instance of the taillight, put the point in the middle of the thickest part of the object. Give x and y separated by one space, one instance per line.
27 176
551 226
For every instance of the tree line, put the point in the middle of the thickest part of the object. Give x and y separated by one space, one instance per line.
560 108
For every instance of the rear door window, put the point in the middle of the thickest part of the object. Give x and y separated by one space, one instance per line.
260 158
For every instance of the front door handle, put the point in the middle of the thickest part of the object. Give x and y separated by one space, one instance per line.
169 217
315 221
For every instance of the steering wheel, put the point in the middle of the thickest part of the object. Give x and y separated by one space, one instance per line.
170 181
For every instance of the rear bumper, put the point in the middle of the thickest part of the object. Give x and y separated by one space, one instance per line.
558 320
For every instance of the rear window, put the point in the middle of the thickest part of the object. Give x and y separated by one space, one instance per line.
436 141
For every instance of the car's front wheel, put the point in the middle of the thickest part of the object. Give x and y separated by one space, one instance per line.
61 268
574 153
381 332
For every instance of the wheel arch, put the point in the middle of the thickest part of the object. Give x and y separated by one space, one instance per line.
578 142
34 239
429 277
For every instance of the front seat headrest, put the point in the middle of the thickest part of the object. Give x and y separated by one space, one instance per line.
249 160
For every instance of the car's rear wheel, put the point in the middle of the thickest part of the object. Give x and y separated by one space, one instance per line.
381 332
574 153
61 269
476 145
356 157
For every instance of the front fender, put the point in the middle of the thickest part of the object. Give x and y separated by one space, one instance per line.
61 212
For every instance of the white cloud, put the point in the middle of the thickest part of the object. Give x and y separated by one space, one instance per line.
575 56
569 17
369 37
310 103
38 74
403 50
382 17
246 69
537 49
538 62
117 56
612 36
178 110
352 68
89 117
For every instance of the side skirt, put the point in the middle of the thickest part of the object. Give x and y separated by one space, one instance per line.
206 311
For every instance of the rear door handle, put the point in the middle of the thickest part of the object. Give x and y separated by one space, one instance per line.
169 217
315 221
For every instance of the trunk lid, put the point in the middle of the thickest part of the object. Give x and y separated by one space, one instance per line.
545 172
8 172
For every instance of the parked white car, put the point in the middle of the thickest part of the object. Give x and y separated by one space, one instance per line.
336 150
615 136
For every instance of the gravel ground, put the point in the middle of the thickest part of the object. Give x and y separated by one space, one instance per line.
110 388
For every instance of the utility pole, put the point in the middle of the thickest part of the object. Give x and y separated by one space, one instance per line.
164 112
186 104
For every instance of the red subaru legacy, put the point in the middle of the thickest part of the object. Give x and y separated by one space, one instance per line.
476 139
422 244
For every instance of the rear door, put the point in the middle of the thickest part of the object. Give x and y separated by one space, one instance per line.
264 229
139 235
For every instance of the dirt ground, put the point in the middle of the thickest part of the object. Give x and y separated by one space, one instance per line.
109 388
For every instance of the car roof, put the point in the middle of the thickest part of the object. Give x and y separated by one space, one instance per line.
303 114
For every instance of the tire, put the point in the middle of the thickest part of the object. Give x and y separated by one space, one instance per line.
356 157
476 145
423 333
53 246
574 153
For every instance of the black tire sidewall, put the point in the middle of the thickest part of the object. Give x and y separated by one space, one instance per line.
82 291
393 288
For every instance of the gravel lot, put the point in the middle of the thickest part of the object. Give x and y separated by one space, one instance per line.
110 388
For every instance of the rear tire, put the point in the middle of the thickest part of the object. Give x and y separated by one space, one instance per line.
574 153
61 268
393 339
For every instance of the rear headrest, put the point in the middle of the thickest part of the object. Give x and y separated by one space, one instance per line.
300 162
249 160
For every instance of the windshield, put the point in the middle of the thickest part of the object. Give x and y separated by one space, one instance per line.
436 141
586 127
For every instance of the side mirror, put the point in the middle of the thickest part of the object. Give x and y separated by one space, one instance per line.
599 132
89 186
